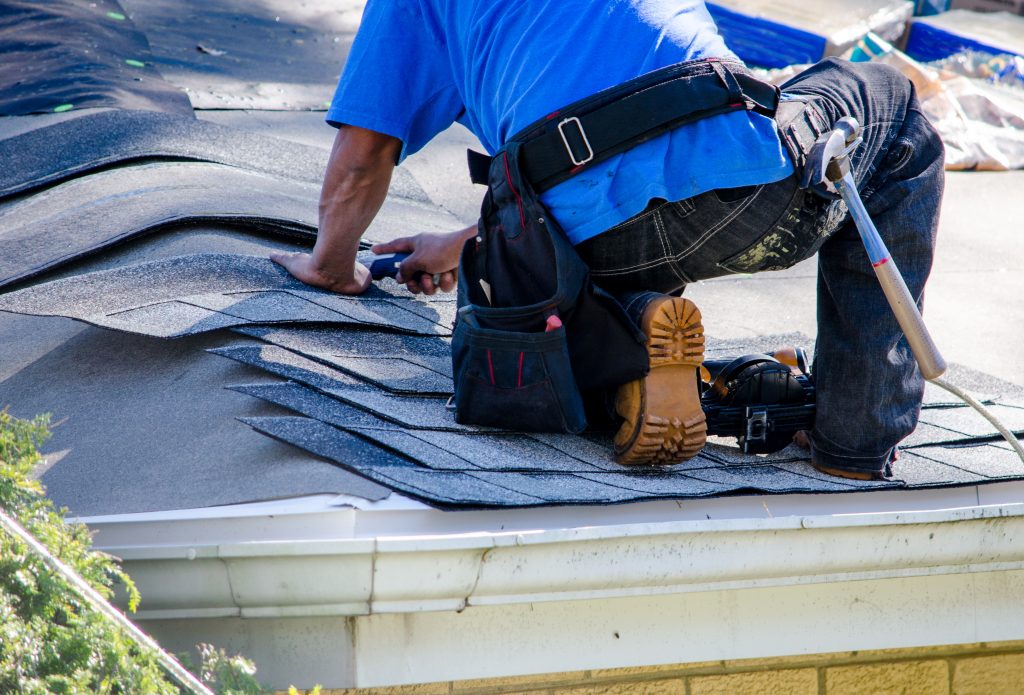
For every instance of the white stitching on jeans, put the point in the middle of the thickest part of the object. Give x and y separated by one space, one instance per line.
636 218
728 218
659 225
668 258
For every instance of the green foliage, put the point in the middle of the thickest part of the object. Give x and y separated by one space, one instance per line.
50 641
229 675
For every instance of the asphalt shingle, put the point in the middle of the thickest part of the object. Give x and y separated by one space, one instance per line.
57 152
192 294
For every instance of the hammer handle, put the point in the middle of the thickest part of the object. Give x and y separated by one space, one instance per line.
909 317
928 357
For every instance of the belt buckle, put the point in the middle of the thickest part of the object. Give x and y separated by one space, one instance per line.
583 134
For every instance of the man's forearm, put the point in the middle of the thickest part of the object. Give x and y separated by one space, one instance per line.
355 186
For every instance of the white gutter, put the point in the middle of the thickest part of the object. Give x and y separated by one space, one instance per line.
402 574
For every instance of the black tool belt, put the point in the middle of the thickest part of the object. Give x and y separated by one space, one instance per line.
536 341
588 131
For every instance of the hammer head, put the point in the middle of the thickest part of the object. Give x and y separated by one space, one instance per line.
829 158
849 127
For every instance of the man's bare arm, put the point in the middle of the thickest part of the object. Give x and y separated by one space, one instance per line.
355 185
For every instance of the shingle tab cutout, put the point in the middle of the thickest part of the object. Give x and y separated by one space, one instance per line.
395 362
192 294
444 462
476 488
558 458
372 386
417 412
387 468
94 141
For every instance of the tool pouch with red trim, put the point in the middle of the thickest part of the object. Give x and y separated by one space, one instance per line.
534 338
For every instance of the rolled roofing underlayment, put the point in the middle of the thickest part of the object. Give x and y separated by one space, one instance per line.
370 376
100 59
237 54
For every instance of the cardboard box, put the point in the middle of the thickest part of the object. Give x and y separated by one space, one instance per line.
1012 6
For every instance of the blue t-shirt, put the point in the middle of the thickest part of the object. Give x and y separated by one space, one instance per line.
495 66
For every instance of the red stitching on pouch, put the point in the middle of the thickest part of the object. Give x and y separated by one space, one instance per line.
519 378
490 366
508 175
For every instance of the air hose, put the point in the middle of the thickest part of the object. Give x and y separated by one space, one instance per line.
974 403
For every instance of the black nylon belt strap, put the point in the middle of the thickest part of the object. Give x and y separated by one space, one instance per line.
591 130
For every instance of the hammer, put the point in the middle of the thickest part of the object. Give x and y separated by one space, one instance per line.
828 166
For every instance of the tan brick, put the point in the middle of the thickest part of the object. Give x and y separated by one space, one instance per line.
419 689
633 671
989 675
802 681
779 663
900 678
518 683
636 687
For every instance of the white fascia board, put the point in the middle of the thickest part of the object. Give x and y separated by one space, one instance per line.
450 572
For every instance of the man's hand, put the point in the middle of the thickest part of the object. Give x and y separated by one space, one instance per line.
430 255
355 185
305 268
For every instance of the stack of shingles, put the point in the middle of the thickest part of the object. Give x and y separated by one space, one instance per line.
352 387
370 390
79 186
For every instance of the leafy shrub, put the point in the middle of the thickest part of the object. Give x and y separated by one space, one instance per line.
51 641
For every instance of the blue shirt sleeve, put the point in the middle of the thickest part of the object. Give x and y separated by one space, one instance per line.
398 77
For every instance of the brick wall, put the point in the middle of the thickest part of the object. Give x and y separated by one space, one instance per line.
968 669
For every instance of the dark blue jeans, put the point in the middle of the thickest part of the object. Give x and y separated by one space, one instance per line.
869 389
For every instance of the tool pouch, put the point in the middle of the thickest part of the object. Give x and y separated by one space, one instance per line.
533 335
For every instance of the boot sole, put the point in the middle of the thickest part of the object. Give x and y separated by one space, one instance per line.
664 423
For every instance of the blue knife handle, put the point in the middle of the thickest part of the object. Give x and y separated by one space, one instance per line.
386 265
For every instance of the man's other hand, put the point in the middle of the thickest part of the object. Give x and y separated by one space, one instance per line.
430 255
305 268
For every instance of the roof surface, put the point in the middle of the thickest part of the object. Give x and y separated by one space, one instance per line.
112 228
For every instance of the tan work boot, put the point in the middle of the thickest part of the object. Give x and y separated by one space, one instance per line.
664 423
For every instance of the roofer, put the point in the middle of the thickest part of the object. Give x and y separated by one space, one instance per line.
713 190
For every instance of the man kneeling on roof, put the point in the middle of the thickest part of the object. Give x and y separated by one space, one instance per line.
663 161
